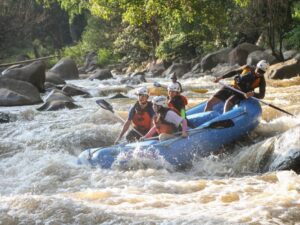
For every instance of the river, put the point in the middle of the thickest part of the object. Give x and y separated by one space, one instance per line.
41 183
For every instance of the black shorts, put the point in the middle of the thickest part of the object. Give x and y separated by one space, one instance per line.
226 94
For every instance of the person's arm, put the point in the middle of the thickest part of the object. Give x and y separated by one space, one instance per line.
229 74
184 128
150 133
126 124
262 89
173 117
123 131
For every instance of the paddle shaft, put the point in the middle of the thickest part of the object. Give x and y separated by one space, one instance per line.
268 104
105 105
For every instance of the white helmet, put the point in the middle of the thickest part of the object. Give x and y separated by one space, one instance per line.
174 87
142 91
160 100
263 65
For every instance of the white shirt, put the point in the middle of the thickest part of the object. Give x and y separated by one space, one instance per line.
172 117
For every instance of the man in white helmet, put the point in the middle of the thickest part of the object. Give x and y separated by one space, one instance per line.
166 121
247 80
141 115
173 77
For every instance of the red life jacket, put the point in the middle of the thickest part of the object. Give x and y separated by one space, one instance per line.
142 119
177 107
162 126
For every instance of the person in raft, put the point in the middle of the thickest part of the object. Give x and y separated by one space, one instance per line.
141 115
166 121
246 80
173 77
176 101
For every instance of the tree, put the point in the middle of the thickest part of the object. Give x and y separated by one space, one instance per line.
159 19
275 19
26 24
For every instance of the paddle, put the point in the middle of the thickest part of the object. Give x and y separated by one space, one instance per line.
196 90
105 105
268 104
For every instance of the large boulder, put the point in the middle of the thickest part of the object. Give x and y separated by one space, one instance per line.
57 100
33 73
134 78
72 90
254 57
17 92
240 53
57 95
101 74
57 105
287 55
213 59
287 69
54 78
156 68
66 69
178 68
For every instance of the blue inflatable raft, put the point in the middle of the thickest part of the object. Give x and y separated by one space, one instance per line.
211 131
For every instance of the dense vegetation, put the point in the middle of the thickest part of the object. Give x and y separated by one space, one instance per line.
137 30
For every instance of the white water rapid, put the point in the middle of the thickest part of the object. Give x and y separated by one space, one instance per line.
41 183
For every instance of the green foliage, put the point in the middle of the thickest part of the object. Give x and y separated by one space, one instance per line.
133 45
172 47
243 3
296 11
137 30
183 46
73 7
105 56
293 38
97 37
76 52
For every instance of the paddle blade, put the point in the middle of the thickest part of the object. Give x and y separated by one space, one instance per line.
201 91
105 105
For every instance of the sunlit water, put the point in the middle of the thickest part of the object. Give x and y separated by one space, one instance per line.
40 182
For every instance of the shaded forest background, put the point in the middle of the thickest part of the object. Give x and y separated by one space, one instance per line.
134 31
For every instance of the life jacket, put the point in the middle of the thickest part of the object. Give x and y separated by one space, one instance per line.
177 103
247 80
162 126
142 118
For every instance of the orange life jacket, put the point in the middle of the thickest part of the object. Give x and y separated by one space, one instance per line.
247 80
162 126
142 118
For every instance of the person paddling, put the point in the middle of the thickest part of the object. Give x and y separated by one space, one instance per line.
141 115
173 77
176 101
166 121
246 81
